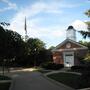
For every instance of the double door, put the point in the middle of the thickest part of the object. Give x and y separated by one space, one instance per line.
68 59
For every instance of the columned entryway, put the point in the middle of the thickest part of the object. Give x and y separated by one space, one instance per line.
68 59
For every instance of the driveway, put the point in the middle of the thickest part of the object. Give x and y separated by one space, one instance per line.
33 81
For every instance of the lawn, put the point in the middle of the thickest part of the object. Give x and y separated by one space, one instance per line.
72 80
4 85
4 78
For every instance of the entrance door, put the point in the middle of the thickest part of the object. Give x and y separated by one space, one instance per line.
68 59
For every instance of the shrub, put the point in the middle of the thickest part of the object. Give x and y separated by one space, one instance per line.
84 80
5 82
77 68
4 77
52 66
81 68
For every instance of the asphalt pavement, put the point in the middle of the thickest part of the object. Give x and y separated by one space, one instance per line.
33 81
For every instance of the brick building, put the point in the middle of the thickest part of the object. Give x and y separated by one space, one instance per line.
69 51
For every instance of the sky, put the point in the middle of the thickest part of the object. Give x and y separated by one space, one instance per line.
47 20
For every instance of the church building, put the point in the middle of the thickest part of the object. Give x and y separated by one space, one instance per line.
69 52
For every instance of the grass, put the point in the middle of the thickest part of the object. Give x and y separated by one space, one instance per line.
44 71
4 85
4 78
41 70
72 80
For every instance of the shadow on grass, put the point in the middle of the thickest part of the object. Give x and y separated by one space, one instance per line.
72 80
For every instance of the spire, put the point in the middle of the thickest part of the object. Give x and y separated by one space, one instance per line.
25 26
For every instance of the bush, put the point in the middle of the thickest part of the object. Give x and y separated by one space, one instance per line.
5 82
81 68
77 68
84 80
52 66
4 77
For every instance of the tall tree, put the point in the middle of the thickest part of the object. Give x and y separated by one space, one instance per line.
86 33
14 45
2 43
35 46
11 45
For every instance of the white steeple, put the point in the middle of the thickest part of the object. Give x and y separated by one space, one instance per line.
71 33
25 28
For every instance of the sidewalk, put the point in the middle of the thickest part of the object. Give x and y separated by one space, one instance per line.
33 81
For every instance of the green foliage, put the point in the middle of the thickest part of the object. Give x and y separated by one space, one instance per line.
36 51
86 34
87 13
35 45
5 86
66 78
80 68
87 58
73 80
52 66
11 46
51 48
4 77
88 23
85 43
14 51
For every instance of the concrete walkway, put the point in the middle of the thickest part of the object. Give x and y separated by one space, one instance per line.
33 81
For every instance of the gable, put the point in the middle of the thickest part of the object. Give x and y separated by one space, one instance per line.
69 44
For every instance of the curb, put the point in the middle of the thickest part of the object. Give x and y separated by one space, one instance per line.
84 89
58 83
3 81
62 72
61 84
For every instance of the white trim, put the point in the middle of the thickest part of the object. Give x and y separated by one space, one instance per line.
72 49
58 46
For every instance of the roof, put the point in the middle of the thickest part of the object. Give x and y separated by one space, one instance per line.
70 27
69 40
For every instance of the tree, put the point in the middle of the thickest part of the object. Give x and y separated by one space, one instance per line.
87 13
86 33
52 47
45 56
14 45
2 41
11 46
85 43
87 58
35 46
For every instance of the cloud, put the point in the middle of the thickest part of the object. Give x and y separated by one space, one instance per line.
9 6
17 22
48 34
87 1
79 25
